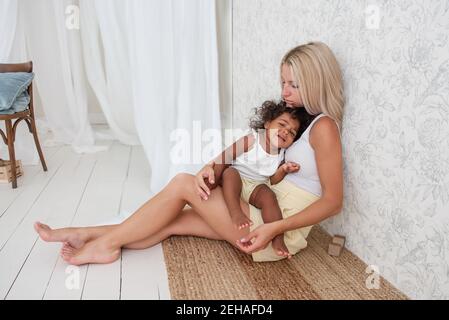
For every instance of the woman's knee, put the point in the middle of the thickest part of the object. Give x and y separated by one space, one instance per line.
182 183
182 179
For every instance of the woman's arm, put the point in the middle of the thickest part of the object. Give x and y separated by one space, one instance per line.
209 176
325 140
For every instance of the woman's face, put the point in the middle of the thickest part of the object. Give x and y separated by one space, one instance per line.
290 89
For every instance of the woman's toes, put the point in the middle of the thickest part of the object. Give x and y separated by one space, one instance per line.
64 256
68 251
67 245
68 254
43 230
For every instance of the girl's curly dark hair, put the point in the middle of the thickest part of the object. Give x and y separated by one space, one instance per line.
271 110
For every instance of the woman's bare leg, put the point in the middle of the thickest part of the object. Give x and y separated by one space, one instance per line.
75 237
154 216
187 223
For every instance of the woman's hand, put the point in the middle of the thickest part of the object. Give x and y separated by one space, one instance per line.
259 239
205 181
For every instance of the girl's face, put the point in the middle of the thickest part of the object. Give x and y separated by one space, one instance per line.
290 89
282 131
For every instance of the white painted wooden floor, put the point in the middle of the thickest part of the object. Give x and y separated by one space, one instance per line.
77 190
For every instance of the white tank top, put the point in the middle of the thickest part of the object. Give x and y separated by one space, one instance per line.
302 153
257 164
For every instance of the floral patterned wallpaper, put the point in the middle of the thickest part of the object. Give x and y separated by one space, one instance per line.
395 58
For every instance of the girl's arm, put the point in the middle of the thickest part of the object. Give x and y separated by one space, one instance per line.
325 140
225 159
282 171
209 176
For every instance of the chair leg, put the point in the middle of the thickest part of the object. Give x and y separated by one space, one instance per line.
36 141
12 155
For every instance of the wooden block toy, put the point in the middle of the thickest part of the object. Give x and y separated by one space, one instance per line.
335 249
5 171
340 240
336 246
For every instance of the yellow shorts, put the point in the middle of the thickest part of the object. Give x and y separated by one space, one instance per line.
291 200
248 187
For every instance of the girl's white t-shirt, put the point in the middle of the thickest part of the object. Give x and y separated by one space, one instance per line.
257 164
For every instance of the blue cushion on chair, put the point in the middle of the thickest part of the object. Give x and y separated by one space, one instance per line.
13 91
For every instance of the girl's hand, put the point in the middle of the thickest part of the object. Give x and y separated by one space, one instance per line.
291 167
259 239
205 180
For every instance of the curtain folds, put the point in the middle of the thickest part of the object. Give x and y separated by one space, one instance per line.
58 65
175 80
106 56
152 65
8 23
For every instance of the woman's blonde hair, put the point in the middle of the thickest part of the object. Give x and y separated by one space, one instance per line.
318 74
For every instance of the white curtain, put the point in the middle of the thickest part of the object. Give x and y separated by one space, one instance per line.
12 49
59 69
106 56
175 79
153 66
8 22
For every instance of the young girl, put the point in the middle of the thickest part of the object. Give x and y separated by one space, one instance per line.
257 162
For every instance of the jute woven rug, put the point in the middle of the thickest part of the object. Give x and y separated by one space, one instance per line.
204 269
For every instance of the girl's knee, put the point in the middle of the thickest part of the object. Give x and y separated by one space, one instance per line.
263 194
230 172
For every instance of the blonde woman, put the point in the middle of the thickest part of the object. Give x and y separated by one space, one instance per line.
311 78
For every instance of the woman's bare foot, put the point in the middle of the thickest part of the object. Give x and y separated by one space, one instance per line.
74 236
279 246
65 247
96 251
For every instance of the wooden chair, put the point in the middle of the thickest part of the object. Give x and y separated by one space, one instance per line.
27 115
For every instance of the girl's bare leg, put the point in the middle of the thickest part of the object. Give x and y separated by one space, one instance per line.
232 188
154 216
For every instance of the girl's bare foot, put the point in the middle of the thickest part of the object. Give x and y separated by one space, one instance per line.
240 220
279 246
74 236
96 251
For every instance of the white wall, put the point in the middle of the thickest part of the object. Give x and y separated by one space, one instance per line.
396 126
